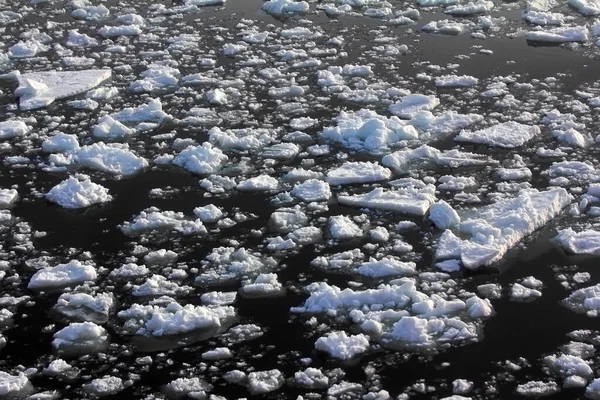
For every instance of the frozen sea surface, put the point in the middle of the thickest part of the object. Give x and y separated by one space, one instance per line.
357 199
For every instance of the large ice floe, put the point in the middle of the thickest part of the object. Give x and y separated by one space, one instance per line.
496 228
39 89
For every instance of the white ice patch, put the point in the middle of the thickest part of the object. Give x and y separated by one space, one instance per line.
80 335
507 135
312 190
285 7
496 228
358 172
111 158
407 200
173 318
560 35
13 128
78 192
153 219
62 275
202 160
39 89
8 197
368 131
410 105
584 242
340 345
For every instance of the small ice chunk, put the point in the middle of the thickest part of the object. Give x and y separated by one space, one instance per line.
312 190
341 345
507 135
203 159
443 215
358 172
13 128
584 242
84 336
262 382
62 275
8 197
343 228
410 105
78 192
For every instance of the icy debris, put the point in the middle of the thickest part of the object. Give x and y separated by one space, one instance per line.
78 192
585 300
120 30
507 135
387 266
445 81
311 378
559 35
130 270
410 105
13 128
104 386
407 200
343 228
340 345
261 183
461 386
209 213
545 18
14 385
586 7
443 215
80 336
188 387
567 365
218 298
312 190
514 174
112 158
368 131
220 353
109 128
444 27
203 159
519 292
537 389
85 307
91 13
496 228
158 285
584 242
153 219
174 318
8 197
39 89
157 77
226 264
592 391
264 285
150 112
62 275
285 7
240 139
470 8
262 382
357 172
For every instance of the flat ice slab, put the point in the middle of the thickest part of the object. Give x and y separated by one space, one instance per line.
409 200
584 242
498 227
508 135
39 89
